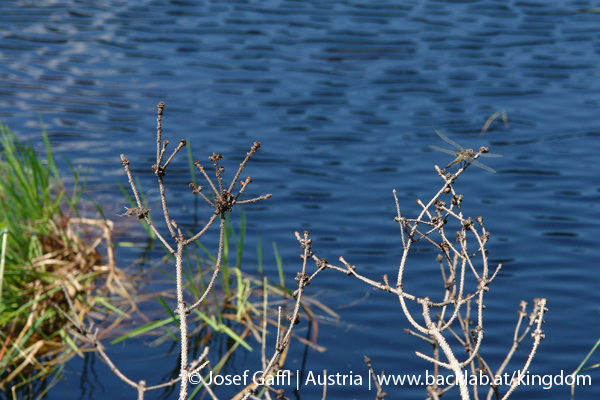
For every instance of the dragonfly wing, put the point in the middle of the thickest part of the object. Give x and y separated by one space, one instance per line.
482 166
454 153
448 140
490 155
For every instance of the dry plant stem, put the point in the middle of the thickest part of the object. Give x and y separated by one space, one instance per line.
207 388
516 341
460 263
240 169
215 272
224 202
201 169
325 385
141 212
263 347
254 200
182 320
203 231
380 393
281 343
161 107
538 335
163 199
536 317
85 334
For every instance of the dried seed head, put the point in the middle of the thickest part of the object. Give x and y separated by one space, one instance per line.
439 205
195 190
459 236
302 279
468 223
215 157
485 237
457 199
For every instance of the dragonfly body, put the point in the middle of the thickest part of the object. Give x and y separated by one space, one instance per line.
464 155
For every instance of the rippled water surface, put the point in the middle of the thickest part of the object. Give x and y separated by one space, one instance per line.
344 97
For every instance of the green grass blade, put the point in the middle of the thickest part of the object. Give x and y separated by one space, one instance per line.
166 307
143 329
105 303
234 336
279 266
191 162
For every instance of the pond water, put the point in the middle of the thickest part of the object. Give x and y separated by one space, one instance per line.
344 97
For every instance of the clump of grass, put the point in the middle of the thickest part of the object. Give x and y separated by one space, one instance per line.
43 246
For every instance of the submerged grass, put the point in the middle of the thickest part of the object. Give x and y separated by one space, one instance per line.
44 246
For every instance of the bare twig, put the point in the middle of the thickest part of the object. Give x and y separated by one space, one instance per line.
461 262
222 204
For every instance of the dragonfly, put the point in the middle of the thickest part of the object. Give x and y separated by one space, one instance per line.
464 155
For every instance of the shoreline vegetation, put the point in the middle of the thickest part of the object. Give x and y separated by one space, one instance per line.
46 245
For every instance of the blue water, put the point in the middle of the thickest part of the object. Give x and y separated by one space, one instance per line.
344 97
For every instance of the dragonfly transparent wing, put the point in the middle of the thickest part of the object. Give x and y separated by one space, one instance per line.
448 140
490 155
482 166
454 153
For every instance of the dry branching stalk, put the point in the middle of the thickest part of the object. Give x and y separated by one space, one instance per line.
223 200
455 307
